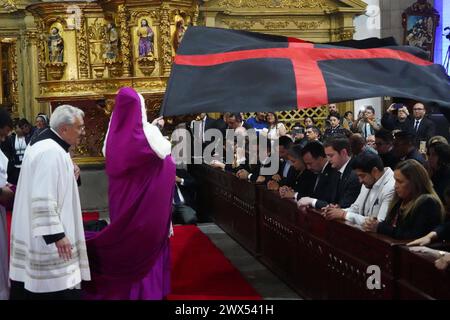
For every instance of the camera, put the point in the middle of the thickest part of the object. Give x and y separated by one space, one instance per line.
296 131
447 35
398 106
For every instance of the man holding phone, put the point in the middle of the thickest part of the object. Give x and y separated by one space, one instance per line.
397 117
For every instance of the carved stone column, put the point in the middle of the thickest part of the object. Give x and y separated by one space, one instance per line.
41 51
30 76
14 81
166 46
82 46
125 40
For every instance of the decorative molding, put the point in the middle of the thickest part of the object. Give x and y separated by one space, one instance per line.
153 105
125 46
306 25
9 5
272 23
342 34
96 34
273 4
41 50
53 90
135 15
165 40
14 80
239 24
82 49
422 7
31 38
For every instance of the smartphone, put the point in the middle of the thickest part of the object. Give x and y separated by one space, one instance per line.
296 131
398 106
423 147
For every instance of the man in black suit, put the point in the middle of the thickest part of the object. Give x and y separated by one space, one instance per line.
384 147
404 147
424 128
339 153
325 186
183 211
286 172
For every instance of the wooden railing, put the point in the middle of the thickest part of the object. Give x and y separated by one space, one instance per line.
319 259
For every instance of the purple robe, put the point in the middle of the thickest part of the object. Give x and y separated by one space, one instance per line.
130 258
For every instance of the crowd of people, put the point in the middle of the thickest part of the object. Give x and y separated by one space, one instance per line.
390 176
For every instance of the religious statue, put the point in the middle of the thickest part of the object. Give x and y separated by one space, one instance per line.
55 46
111 42
145 34
179 33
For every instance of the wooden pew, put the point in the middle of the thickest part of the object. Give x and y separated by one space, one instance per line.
277 233
320 259
419 278
353 252
232 203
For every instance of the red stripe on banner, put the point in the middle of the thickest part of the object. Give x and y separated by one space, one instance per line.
311 86
290 40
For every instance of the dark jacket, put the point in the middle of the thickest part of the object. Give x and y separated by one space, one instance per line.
389 159
425 131
391 123
346 188
303 183
188 188
325 191
416 155
291 174
441 181
443 231
419 222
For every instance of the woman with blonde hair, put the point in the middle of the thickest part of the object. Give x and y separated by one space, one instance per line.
415 209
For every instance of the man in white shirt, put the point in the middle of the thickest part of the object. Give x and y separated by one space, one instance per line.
48 249
376 192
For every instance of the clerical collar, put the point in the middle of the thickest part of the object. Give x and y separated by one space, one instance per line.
49 133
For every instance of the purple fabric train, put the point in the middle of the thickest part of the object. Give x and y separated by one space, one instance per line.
130 259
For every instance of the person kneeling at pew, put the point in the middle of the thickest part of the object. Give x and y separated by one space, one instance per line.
415 209
440 233
303 182
376 193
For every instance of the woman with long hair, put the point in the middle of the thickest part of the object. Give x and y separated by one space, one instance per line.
276 129
415 209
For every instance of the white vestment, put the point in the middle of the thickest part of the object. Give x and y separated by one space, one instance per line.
4 282
47 203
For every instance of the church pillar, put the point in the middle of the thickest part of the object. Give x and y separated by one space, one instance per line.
125 39
166 46
82 45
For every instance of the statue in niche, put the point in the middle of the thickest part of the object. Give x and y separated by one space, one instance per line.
111 42
145 34
180 29
55 46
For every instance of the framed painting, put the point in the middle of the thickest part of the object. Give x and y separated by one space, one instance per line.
419 24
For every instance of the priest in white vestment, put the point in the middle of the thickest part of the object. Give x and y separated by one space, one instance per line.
5 194
48 249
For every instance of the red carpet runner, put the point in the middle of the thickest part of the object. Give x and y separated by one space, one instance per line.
201 272
199 269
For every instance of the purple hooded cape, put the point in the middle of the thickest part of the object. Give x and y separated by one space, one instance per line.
130 258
